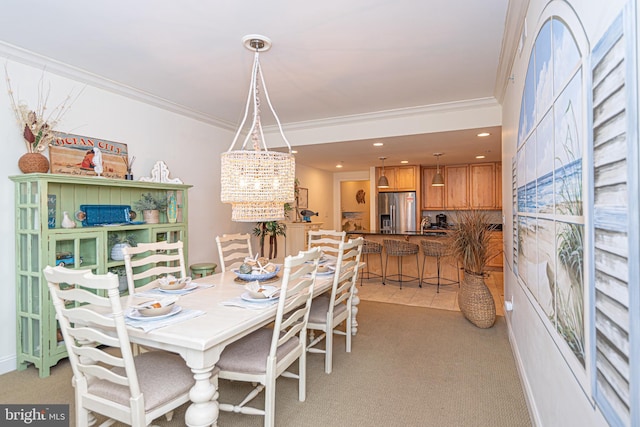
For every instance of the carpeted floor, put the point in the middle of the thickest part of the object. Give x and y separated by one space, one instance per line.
410 366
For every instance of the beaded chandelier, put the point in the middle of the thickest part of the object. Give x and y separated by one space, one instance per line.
257 182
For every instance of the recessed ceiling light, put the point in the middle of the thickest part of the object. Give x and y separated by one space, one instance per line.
483 134
480 157
338 166
294 151
404 161
378 144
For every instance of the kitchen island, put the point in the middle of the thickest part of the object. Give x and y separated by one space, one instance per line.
448 264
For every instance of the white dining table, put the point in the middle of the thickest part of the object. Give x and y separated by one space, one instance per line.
200 340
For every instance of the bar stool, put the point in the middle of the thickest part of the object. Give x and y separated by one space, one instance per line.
370 247
437 249
203 269
399 249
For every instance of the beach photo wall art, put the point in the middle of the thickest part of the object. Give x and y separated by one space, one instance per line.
549 182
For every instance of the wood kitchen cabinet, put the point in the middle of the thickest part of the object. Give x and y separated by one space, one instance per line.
401 178
456 186
298 236
495 250
482 185
432 197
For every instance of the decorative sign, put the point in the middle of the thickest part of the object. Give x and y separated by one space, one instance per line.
73 154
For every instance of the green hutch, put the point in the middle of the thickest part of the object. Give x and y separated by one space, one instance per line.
40 201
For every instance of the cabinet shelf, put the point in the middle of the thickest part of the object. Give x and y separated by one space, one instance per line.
40 200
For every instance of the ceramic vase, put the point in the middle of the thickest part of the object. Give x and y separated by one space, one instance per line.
476 302
117 253
67 222
33 163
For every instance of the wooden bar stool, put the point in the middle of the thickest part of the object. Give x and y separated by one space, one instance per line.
438 250
203 269
399 249
370 247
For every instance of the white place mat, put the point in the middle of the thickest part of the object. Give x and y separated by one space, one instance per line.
239 302
150 325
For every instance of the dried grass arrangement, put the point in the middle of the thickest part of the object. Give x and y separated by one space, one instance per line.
470 241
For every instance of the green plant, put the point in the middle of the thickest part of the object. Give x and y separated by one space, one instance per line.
273 229
148 202
115 238
469 241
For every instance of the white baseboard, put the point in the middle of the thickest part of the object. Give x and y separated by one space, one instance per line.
8 364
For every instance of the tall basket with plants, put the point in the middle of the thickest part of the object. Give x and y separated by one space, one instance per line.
470 245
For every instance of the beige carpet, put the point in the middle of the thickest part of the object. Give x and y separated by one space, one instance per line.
410 366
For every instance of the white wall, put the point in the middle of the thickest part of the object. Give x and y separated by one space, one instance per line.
555 397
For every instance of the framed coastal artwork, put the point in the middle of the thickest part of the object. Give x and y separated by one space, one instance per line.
74 155
550 222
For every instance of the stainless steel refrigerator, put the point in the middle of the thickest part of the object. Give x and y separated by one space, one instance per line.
397 212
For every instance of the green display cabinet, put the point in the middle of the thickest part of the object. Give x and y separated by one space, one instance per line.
40 201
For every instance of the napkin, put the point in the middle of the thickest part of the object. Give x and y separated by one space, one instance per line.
151 324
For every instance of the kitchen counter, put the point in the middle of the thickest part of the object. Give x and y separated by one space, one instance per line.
431 232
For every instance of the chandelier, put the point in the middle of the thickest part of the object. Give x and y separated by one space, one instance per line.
255 181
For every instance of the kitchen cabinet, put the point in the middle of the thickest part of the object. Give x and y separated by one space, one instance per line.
401 178
482 185
456 186
298 236
432 197
40 200
495 250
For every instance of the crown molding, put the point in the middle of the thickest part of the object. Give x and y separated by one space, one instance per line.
420 111
512 37
51 65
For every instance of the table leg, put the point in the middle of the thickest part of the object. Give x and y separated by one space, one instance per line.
204 400
355 300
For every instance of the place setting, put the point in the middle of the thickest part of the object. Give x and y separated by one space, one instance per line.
156 313
256 296
169 284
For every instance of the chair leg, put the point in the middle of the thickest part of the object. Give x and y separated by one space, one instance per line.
418 271
400 270
270 403
348 331
328 355
385 270
302 377
438 267
381 268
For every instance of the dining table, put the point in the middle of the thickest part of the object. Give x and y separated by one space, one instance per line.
222 316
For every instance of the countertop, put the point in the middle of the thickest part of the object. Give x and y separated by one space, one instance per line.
431 232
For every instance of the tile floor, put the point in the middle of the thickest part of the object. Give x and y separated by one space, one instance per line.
411 294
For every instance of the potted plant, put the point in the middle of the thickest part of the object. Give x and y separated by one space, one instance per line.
469 243
117 242
151 207
273 229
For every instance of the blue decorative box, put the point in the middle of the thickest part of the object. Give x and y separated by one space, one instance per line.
93 215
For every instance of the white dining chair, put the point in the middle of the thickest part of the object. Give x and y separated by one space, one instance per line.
327 240
233 249
107 378
147 261
264 355
329 310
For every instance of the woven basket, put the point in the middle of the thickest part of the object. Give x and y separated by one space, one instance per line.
433 248
476 302
370 247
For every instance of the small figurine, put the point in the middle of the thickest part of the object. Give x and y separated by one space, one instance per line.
66 221
97 161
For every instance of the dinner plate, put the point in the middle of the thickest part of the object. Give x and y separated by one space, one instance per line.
247 297
325 273
187 288
135 314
